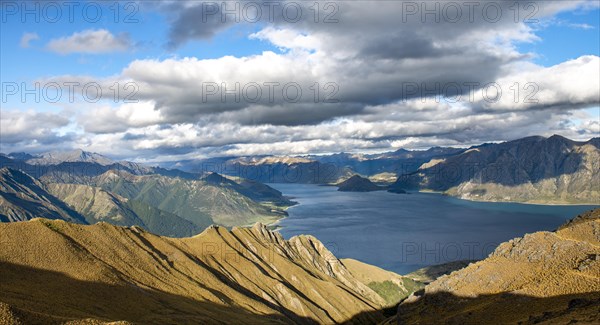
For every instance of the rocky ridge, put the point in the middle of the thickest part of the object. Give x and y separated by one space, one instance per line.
54 270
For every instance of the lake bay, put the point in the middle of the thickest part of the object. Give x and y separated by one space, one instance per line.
403 232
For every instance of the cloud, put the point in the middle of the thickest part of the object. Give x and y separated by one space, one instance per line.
370 82
373 55
90 42
571 84
106 119
581 26
201 20
31 130
27 38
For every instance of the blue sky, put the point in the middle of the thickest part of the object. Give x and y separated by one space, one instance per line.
368 55
567 36
147 29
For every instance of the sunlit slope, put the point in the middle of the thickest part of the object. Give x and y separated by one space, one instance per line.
194 200
98 205
544 277
104 272
390 286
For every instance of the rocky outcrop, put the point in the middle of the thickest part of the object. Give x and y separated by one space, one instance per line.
107 273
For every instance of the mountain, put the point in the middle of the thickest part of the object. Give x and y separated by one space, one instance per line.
20 156
401 161
98 205
55 158
94 203
252 189
197 201
534 169
62 166
358 184
106 273
172 195
286 170
541 278
23 197
316 169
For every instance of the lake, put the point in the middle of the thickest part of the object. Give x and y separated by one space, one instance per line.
402 233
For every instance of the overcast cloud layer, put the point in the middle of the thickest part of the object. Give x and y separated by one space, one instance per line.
384 80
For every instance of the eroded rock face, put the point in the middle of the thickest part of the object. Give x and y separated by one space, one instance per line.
63 271
542 276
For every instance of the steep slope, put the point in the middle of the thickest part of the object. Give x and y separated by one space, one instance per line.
201 202
429 274
534 169
194 200
95 204
390 286
23 197
102 272
544 277
358 184
98 205
254 190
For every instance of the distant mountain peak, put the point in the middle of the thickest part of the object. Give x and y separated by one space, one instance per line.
215 178
559 138
20 156
77 155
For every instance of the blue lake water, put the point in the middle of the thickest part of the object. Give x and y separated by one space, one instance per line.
402 233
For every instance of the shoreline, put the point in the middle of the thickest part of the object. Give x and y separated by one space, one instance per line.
275 224
565 204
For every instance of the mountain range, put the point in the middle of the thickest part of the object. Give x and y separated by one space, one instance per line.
56 272
107 273
88 188
22 198
85 187
316 169
533 170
